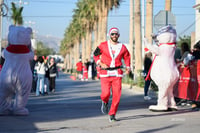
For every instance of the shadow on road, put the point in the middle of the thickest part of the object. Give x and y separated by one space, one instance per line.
72 100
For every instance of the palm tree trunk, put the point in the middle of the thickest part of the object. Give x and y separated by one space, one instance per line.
131 34
89 44
138 45
103 33
99 25
149 20
95 30
83 48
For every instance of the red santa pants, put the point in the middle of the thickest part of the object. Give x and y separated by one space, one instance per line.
85 75
115 84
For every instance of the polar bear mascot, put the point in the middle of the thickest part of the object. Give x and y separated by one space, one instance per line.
164 71
16 75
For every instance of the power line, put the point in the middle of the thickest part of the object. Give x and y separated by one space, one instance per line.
187 28
63 16
48 1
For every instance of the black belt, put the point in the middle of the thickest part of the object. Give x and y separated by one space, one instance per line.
112 68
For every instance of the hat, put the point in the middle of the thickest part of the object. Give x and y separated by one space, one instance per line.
19 35
166 34
112 30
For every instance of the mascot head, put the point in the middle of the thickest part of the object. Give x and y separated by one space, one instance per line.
166 34
19 35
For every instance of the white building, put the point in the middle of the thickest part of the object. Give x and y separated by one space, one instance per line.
197 24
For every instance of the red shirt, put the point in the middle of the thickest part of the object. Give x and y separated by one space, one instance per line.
79 66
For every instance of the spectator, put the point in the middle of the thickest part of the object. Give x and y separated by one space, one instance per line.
47 77
40 69
196 51
53 72
185 50
185 53
79 68
85 72
177 54
34 82
147 65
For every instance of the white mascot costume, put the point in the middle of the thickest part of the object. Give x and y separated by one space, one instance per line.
164 71
16 75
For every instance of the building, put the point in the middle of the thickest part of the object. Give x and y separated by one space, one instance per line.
197 24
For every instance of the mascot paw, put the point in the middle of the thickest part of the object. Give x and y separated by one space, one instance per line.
156 108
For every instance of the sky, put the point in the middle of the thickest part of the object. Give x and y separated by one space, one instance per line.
52 17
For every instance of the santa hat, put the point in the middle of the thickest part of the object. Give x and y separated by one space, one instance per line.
112 30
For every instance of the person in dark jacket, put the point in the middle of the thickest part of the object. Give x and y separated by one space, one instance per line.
196 51
147 65
53 72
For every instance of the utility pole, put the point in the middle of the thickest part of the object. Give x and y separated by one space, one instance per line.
1 2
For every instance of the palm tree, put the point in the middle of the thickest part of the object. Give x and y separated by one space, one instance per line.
138 45
17 14
131 33
149 20
104 7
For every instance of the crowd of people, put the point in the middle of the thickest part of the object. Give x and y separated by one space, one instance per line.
44 72
87 69
44 75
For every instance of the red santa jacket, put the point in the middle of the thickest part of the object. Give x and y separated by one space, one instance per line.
104 54
79 66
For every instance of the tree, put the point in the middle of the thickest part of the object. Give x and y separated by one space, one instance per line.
43 50
131 33
149 20
138 45
17 14
184 39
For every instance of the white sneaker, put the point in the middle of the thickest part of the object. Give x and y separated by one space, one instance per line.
147 98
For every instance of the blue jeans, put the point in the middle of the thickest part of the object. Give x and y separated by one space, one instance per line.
40 84
146 84
146 87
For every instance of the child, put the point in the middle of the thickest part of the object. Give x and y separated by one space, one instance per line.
85 72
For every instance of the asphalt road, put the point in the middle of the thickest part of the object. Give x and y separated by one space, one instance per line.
75 108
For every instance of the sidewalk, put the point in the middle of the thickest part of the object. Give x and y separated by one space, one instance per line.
75 108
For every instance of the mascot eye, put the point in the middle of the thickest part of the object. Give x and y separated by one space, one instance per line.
97 51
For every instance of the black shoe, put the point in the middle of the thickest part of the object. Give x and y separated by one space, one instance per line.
104 108
112 118
172 109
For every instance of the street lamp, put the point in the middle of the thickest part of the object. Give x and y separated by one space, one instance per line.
21 2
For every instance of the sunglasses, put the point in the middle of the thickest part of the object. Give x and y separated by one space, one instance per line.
112 34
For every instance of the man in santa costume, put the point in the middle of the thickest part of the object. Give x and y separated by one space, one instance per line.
164 70
108 55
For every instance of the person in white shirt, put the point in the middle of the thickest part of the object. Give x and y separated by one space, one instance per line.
40 69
